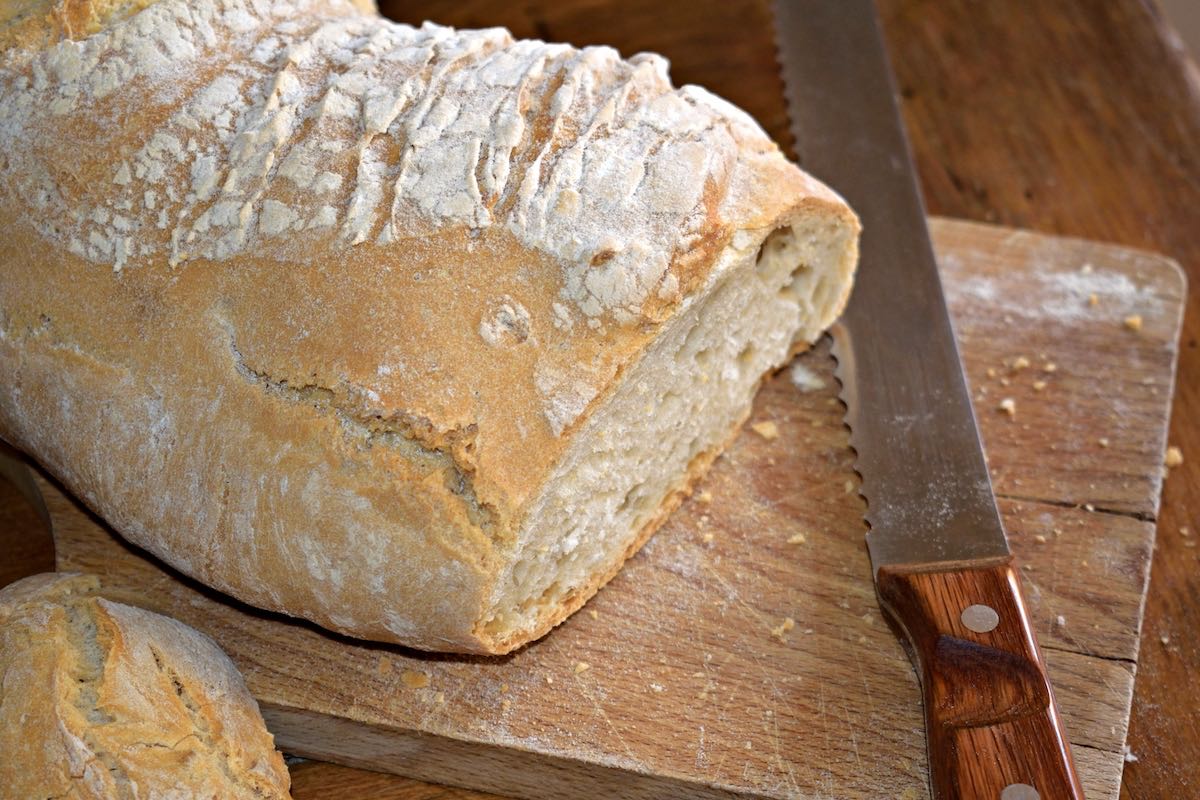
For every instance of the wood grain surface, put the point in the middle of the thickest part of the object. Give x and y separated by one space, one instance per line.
742 652
991 721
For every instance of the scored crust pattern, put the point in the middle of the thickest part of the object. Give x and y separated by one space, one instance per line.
342 121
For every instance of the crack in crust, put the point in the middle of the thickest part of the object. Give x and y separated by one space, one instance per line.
103 705
414 437
91 654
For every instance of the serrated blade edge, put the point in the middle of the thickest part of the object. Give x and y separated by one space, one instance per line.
924 477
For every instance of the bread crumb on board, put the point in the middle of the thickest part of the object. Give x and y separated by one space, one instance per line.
1134 322
1173 457
780 630
1039 538
707 538
1008 406
414 680
1039 385
805 379
1049 367
1019 363
1061 621
1093 299
797 538
593 613
705 497
1103 441
766 429
439 698
581 667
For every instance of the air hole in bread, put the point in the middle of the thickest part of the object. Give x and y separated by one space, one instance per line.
772 247
793 290
634 499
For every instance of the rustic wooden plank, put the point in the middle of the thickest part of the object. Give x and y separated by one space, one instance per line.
1100 773
684 668
320 780
1112 374
1089 568
1093 695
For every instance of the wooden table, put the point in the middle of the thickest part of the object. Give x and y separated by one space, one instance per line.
1077 117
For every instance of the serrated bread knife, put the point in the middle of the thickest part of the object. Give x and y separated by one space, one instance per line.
943 571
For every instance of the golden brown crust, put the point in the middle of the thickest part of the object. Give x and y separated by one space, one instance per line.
100 697
252 313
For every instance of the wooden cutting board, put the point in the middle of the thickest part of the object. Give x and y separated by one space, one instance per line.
741 653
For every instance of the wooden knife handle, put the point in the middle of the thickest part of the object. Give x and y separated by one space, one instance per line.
993 728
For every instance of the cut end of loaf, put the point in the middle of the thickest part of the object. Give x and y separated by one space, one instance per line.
668 419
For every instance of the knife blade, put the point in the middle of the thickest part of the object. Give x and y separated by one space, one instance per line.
943 571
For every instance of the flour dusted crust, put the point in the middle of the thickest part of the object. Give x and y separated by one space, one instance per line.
311 305
102 700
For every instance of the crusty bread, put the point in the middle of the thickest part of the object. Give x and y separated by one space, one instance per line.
106 701
414 333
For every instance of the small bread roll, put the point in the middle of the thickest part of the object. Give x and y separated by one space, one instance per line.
103 700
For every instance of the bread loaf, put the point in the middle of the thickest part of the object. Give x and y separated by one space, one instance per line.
414 333
102 700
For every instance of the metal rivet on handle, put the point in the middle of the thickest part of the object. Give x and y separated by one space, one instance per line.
1019 791
981 619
